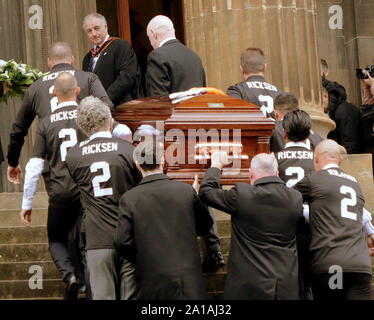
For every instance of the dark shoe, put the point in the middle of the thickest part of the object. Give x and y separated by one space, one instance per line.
72 288
213 262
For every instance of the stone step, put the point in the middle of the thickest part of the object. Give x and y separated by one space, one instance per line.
10 218
12 235
19 289
24 252
13 201
224 228
38 233
54 287
14 279
20 270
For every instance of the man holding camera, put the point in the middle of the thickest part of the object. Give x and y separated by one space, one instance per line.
368 106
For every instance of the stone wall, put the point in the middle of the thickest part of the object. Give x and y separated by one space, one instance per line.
346 40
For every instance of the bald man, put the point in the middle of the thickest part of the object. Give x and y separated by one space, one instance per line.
39 101
264 217
56 134
171 66
340 264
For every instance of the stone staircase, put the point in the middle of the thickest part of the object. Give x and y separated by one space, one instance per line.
21 248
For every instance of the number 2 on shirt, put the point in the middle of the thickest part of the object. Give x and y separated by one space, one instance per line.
104 166
267 104
54 101
351 200
72 134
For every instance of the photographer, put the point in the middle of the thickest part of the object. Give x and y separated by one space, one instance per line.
368 90
367 108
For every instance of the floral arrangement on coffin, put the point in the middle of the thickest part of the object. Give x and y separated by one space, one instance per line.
18 77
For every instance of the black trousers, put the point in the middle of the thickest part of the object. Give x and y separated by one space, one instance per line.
355 286
211 243
62 225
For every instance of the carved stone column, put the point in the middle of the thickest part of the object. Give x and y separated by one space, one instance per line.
219 30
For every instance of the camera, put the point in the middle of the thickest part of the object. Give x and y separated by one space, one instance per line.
361 73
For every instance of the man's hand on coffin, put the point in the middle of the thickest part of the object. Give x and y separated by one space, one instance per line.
220 159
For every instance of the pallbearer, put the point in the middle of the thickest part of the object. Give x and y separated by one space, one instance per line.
103 169
56 134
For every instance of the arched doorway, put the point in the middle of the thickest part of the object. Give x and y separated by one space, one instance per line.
128 19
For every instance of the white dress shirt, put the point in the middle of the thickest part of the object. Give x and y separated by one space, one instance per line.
96 48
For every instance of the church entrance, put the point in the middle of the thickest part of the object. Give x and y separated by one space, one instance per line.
128 19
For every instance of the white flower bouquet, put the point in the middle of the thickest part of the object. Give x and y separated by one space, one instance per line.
18 77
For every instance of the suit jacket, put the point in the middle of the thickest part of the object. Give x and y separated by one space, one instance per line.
158 223
264 217
173 68
118 71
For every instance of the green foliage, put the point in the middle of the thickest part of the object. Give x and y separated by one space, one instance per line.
18 77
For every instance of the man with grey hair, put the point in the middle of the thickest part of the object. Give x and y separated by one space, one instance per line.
255 89
103 169
157 229
171 66
113 60
264 217
39 101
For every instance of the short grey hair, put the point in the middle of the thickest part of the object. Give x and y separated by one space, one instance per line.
264 162
94 15
93 115
162 25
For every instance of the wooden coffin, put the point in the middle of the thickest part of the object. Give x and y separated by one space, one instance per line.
194 127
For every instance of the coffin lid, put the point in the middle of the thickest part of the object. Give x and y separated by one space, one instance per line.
202 111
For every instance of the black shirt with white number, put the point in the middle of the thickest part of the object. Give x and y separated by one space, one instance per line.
39 101
55 135
104 170
336 203
295 161
256 90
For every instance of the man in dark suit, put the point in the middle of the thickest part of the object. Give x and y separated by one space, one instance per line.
112 60
157 228
171 66
264 217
